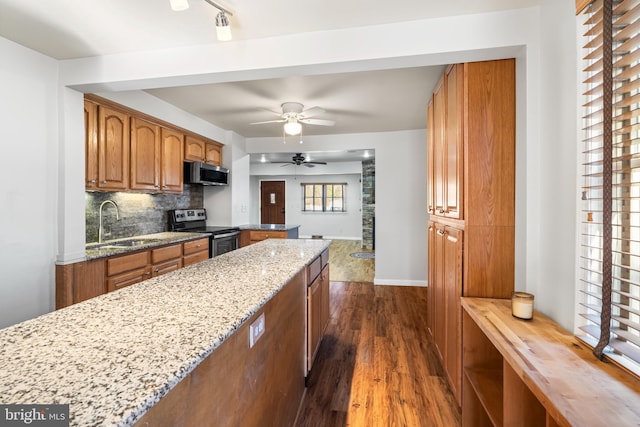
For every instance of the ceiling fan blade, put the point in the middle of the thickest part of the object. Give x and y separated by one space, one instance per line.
310 112
316 163
285 163
318 122
268 121
309 164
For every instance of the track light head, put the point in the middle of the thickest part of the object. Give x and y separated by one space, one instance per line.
223 29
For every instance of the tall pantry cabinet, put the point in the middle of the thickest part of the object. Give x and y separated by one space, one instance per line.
471 198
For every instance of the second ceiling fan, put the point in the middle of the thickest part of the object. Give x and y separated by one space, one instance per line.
293 114
298 159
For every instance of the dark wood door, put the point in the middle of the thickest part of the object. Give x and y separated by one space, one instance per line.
272 202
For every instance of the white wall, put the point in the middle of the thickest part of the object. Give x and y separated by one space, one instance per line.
29 173
331 225
401 198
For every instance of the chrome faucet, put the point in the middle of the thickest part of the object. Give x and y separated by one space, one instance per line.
117 217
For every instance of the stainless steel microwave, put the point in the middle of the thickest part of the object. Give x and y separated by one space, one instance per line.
204 174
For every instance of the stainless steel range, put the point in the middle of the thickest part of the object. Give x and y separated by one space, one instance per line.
223 238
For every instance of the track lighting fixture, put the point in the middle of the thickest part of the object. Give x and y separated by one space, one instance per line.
223 29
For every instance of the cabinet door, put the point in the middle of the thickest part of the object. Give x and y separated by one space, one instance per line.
91 144
194 149
127 279
113 149
430 160
431 274
439 295
452 268
314 320
171 170
166 267
145 155
326 310
213 154
438 175
453 143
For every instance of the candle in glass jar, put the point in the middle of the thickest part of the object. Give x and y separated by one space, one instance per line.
522 305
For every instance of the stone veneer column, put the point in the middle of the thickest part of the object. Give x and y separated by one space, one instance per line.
368 203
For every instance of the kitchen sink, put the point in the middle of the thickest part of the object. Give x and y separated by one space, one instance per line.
122 244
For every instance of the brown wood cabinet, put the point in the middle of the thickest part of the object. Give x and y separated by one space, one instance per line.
126 270
171 172
87 279
199 150
318 309
194 149
195 251
107 148
145 155
471 194
248 237
213 154
128 150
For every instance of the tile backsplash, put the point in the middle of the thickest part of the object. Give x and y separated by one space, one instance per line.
139 213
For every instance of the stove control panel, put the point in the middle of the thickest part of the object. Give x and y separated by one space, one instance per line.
185 215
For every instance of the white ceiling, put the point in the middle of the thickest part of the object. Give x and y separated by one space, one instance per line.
359 102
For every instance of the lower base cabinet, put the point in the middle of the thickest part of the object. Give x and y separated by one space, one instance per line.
84 280
318 309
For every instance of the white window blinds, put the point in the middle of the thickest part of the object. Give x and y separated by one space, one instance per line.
610 238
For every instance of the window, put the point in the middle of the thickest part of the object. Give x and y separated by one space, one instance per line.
609 276
323 197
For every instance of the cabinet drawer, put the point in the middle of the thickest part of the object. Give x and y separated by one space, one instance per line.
166 253
125 263
195 246
313 269
166 267
194 258
127 279
257 236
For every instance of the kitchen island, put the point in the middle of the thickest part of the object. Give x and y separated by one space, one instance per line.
114 357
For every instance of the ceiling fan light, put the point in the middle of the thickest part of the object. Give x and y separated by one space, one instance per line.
223 29
292 127
179 5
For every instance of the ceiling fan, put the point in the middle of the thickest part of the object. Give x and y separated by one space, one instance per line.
298 159
293 114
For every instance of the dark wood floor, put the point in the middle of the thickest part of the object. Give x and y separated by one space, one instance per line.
375 366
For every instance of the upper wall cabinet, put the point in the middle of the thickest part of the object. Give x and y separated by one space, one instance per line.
145 155
199 150
446 145
171 172
107 148
129 151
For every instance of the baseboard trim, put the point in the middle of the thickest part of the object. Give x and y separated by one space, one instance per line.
391 282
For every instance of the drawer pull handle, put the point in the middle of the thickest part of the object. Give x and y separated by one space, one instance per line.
440 232
148 273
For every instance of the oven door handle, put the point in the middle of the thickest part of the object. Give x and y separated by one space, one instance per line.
222 236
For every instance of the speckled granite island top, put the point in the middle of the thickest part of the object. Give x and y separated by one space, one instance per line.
113 357
274 227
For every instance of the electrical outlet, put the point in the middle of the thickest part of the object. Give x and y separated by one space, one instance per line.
256 330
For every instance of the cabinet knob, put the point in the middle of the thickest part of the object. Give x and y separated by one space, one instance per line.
440 232
157 270
104 181
148 273
441 211
92 181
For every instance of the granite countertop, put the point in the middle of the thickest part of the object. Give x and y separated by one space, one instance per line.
275 227
108 248
114 356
